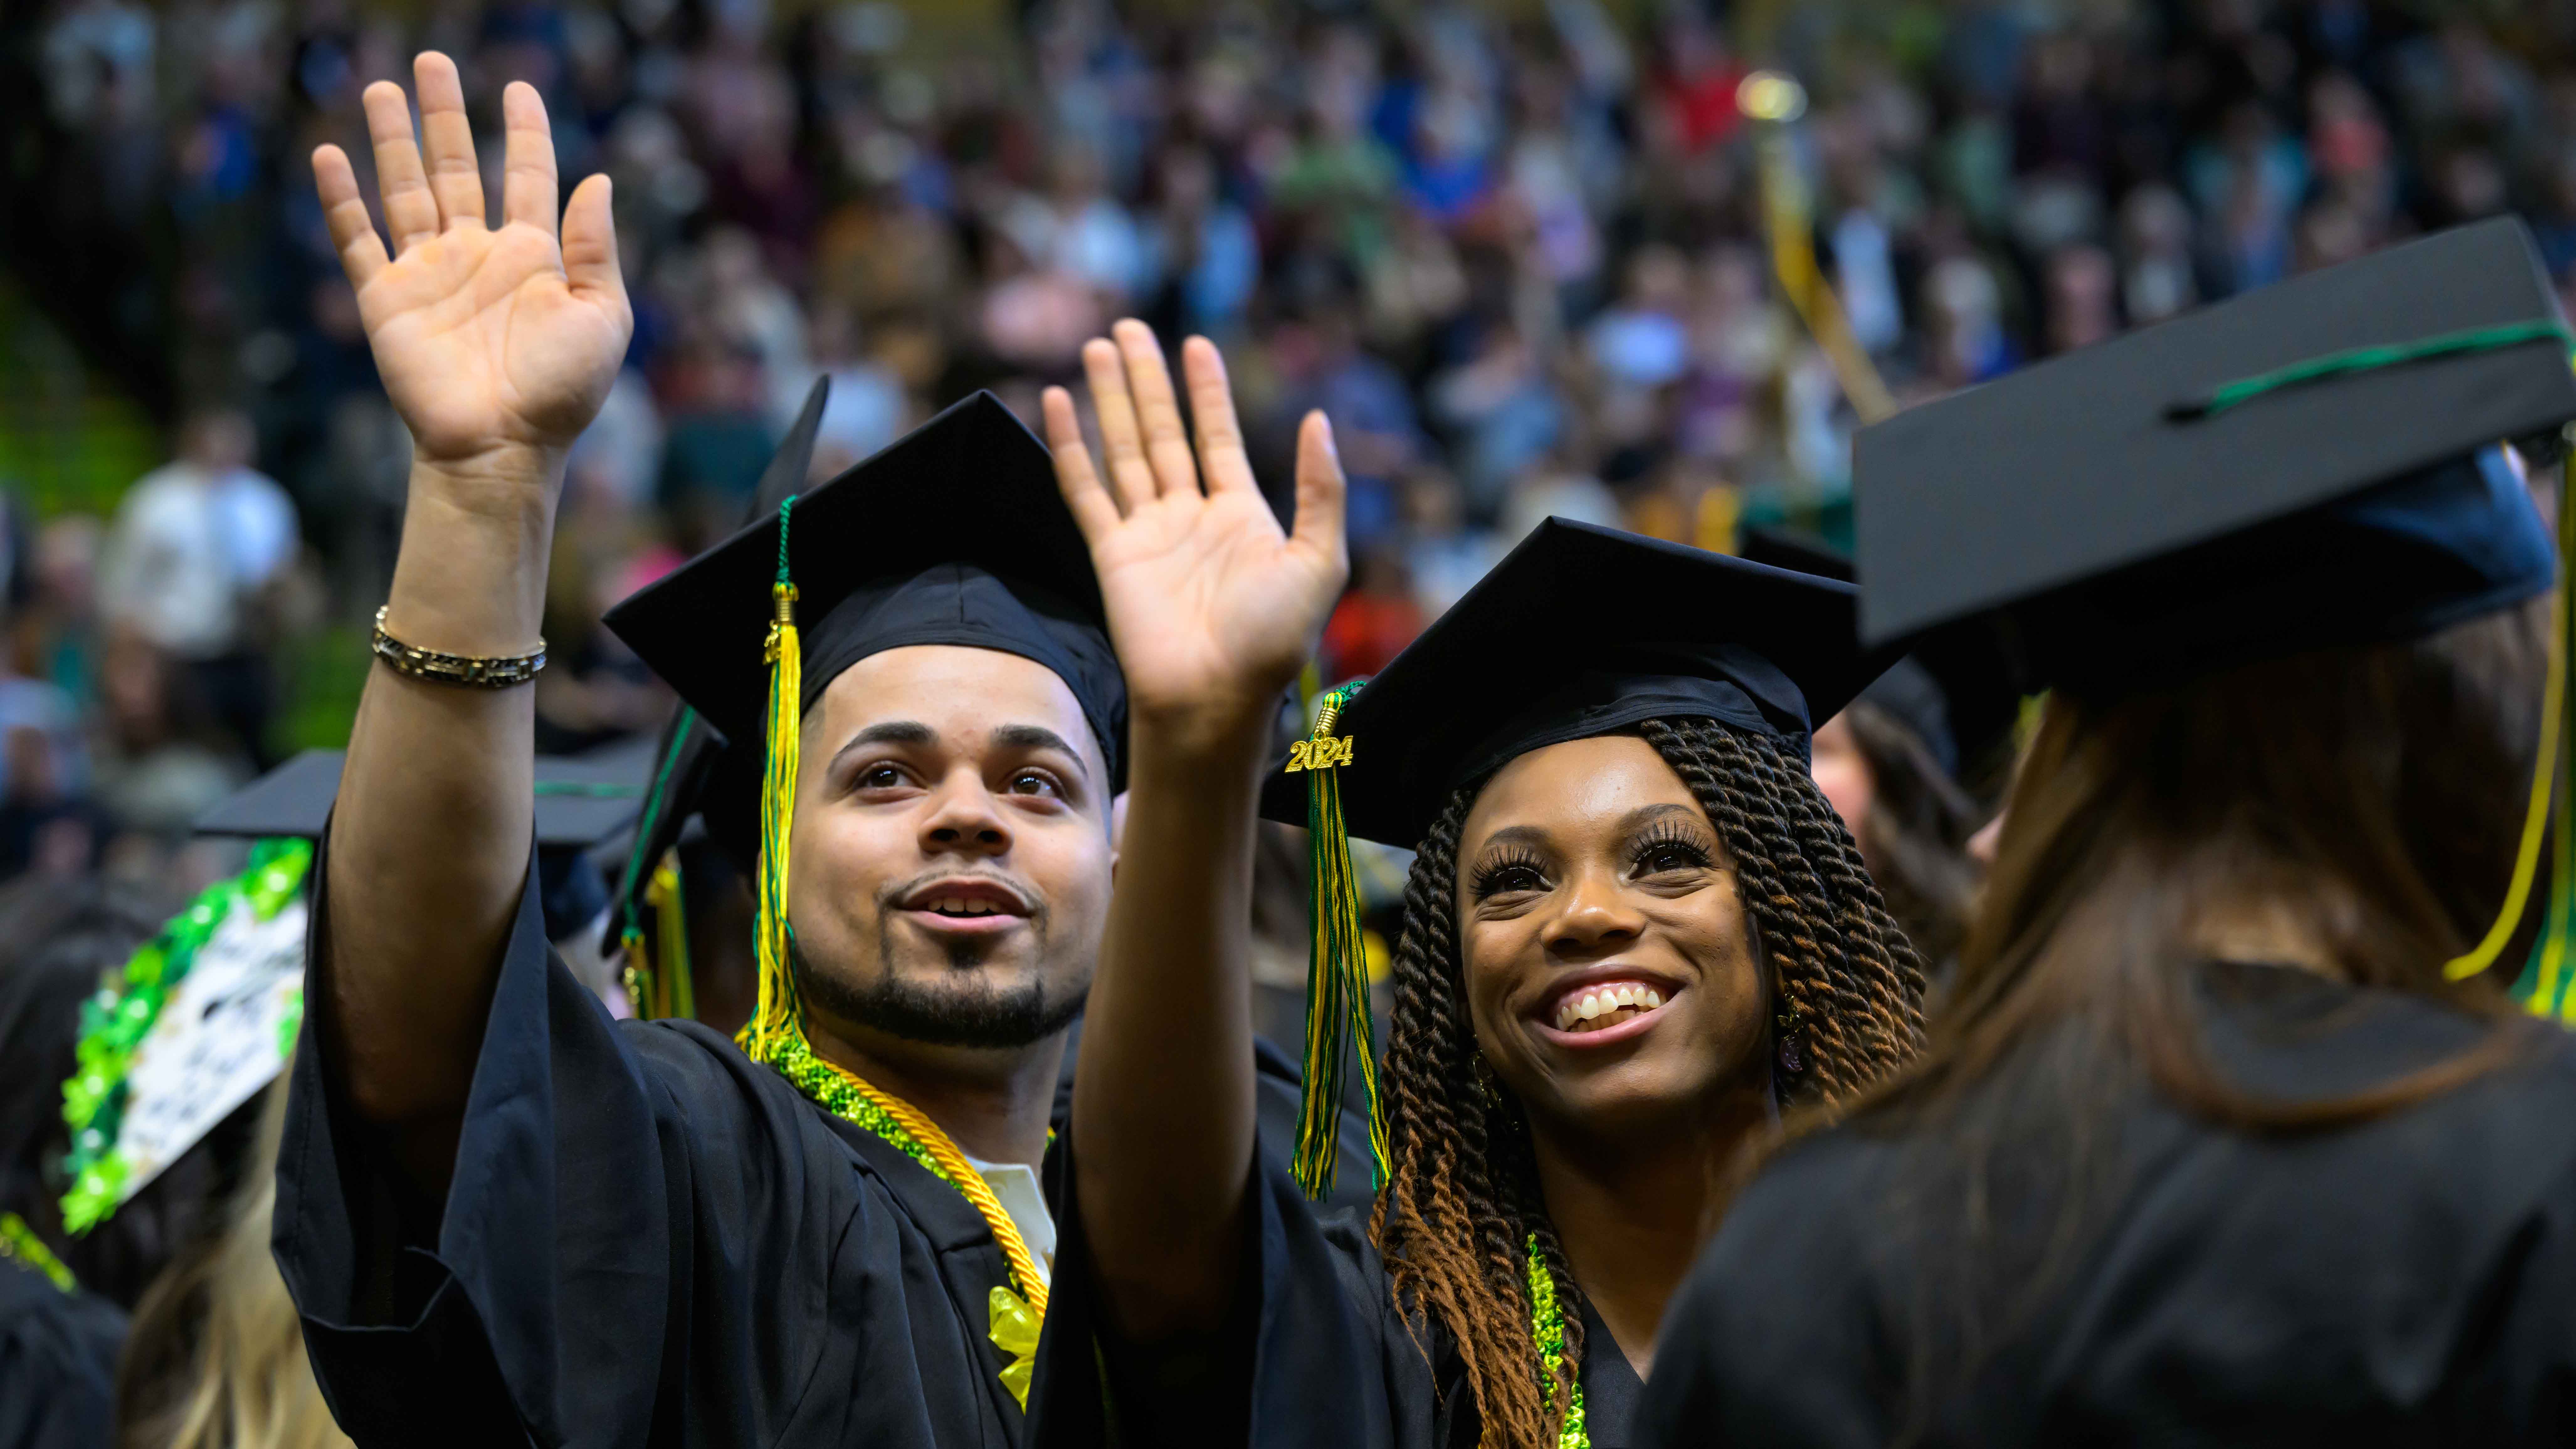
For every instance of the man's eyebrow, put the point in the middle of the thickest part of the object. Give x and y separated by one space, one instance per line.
1037 737
890 732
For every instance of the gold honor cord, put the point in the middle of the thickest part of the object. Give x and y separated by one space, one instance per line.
775 1035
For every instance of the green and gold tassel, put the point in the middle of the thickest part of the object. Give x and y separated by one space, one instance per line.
2546 973
773 1019
2544 985
1337 987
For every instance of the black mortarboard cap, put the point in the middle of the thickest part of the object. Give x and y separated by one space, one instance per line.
581 802
2304 466
1956 692
1583 631
953 534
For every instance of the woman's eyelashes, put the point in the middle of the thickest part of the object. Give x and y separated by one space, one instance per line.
1511 871
1668 847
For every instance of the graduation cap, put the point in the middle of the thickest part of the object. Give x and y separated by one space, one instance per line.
582 802
1621 629
953 534
2306 465
2310 465
1958 692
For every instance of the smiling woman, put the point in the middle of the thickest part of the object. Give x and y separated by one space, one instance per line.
1634 932
1662 937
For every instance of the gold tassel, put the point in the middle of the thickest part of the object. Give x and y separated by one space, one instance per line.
2545 769
773 1019
675 993
1337 983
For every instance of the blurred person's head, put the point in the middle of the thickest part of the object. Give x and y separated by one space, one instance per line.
2469 182
215 1358
1912 821
1966 314
1657 280
218 439
2328 233
67 565
1434 505
2083 290
2345 137
136 691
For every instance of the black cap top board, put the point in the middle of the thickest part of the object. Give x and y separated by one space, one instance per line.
581 802
2306 465
1584 631
1957 691
953 534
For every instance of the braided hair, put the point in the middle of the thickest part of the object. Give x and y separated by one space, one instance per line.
1462 1205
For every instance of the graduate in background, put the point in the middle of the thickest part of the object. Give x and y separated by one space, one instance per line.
2231 1130
1895 760
1633 932
62 1313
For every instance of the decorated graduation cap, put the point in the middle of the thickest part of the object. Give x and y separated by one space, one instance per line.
953 534
1580 631
2309 465
203 1015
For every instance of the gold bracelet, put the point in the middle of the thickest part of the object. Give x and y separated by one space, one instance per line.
481 672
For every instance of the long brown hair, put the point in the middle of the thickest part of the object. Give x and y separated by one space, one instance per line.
1463 1199
1915 835
2369 796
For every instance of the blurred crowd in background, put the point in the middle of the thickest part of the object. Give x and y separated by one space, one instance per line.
1516 251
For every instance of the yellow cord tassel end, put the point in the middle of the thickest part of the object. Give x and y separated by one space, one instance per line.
773 1019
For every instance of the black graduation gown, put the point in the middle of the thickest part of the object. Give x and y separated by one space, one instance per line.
1315 1354
2409 1280
57 1362
647 1240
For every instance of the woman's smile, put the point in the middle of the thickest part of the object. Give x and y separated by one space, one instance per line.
1602 1006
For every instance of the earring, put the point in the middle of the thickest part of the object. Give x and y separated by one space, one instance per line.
1790 1041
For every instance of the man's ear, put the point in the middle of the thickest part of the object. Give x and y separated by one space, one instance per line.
1117 822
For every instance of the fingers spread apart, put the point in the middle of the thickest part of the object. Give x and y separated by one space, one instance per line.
353 232
1093 509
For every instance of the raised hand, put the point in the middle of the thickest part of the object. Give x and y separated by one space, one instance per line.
495 346
1212 608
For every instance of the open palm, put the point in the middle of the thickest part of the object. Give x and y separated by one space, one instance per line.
1211 606
485 339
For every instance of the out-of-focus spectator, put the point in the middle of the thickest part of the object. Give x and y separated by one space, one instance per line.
190 561
1520 256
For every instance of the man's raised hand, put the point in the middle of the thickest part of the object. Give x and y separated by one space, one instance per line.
496 346
1211 606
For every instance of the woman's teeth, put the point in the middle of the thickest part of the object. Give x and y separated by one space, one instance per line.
1605 1006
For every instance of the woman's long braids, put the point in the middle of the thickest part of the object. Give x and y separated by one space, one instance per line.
1462 1205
